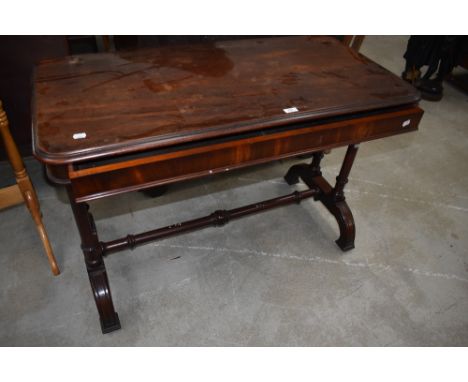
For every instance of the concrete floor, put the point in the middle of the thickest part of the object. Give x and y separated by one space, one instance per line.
272 279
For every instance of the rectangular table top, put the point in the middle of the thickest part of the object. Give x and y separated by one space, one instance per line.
98 105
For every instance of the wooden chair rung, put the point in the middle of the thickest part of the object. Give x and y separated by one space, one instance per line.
10 196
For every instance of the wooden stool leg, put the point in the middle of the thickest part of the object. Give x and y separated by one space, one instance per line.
26 188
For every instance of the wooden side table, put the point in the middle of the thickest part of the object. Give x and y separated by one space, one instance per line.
111 123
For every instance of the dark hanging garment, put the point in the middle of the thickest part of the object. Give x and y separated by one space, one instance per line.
422 50
440 53
452 52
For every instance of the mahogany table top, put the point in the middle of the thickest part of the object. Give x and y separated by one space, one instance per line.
96 105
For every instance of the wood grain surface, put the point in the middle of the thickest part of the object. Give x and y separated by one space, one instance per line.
133 101
97 180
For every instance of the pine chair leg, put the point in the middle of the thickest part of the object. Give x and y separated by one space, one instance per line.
26 187
32 202
48 249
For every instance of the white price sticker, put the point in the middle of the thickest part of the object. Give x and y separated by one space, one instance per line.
291 110
79 135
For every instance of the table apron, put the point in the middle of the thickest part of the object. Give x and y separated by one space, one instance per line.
136 174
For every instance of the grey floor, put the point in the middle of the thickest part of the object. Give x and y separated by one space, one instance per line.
271 279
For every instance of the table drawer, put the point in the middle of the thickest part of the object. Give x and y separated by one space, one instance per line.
215 157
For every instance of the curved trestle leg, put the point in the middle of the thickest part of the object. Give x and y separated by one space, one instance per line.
342 213
95 265
331 197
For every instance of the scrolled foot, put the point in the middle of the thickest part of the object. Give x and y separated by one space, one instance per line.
110 327
345 221
100 285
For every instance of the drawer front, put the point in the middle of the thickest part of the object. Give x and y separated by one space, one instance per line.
131 175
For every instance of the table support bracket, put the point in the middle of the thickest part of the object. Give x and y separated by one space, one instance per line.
95 265
331 197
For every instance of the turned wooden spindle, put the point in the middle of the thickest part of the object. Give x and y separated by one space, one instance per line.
23 190
342 178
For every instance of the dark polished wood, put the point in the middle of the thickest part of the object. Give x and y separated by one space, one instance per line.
159 116
217 218
127 102
332 197
95 179
95 265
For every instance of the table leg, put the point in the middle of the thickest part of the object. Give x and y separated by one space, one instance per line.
332 197
95 265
